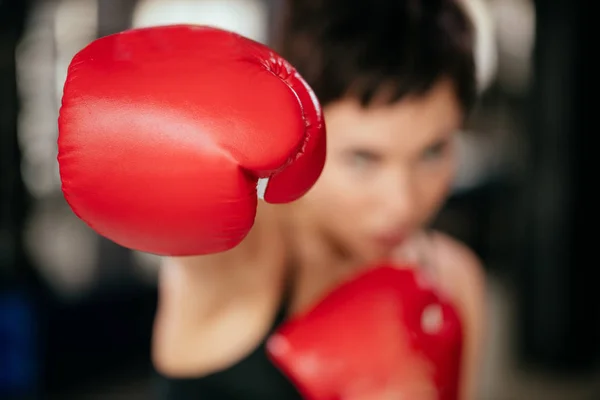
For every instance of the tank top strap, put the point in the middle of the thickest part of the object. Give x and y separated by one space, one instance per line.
286 296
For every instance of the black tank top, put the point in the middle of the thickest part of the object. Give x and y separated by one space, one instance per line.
252 378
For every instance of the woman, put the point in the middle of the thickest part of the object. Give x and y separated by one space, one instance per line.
396 80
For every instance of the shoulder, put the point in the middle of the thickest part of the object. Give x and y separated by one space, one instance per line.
460 266
462 277
465 281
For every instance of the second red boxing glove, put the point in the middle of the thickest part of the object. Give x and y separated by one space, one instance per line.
384 335
165 132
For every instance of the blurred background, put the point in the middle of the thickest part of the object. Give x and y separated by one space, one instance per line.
76 310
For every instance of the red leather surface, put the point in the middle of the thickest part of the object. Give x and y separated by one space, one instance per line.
367 340
164 132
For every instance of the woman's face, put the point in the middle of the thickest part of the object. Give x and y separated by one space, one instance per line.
388 170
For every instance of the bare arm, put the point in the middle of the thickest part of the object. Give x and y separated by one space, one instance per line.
190 295
202 299
465 279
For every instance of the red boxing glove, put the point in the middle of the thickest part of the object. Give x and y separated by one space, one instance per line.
383 335
165 132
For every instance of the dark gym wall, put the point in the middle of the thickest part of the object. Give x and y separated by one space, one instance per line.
17 305
559 324
12 205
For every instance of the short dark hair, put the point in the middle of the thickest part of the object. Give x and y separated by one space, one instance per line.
359 48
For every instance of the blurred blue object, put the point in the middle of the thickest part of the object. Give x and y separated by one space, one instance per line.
18 344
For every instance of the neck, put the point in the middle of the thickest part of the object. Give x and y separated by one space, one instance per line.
312 245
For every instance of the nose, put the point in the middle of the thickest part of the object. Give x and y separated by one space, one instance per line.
398 198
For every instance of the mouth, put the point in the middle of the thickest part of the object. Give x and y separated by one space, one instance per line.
389 239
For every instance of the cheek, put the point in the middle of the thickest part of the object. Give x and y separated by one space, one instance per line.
336 195
433 187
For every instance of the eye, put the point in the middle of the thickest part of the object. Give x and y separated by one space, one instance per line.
435 151
363 158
